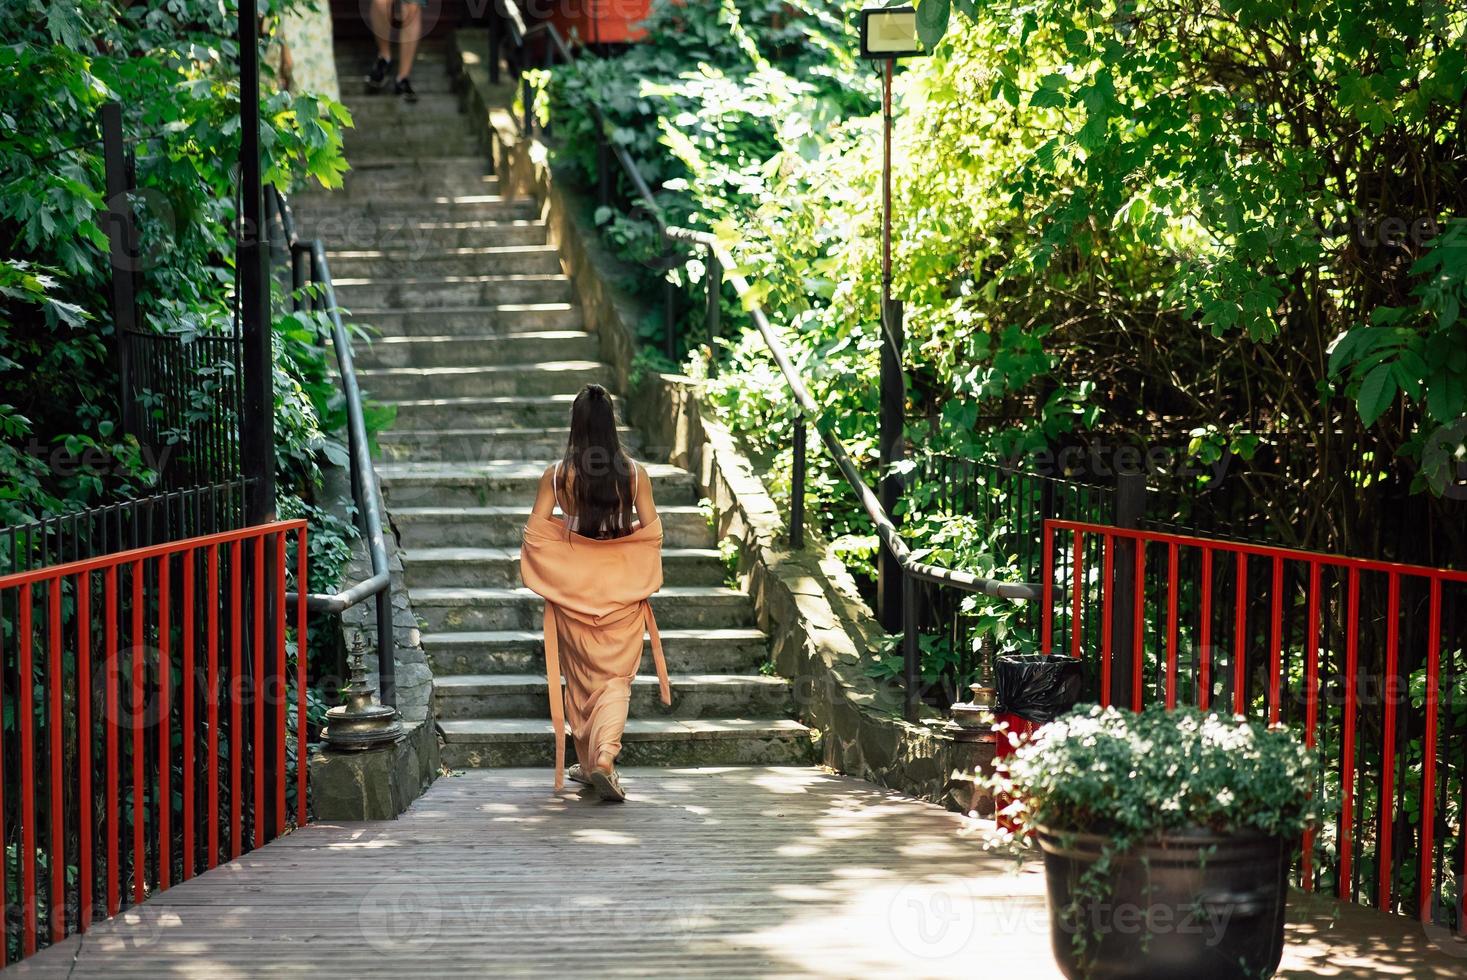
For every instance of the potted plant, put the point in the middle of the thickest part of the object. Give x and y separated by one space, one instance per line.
1167 839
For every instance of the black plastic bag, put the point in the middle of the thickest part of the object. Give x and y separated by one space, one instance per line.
1037 687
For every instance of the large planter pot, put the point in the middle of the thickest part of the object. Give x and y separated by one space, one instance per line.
1194 905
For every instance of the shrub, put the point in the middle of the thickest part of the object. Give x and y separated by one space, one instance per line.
1133 775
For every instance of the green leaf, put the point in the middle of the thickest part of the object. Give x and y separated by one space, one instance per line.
932 21
1092 135
1449 311
1377 392
1048 98
1446 396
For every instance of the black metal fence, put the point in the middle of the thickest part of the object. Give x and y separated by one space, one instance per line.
181 395
1007 506
1008 500
138 523
187 399
960 632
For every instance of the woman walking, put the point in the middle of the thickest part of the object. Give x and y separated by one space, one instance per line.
596 567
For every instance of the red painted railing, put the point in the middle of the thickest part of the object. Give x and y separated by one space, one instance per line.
101 702
1356 654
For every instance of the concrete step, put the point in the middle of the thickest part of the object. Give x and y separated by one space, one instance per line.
356 230
396 176
352 77
400 445
488 348
436 208
440 526
469 412
675 606
415 137
433 163
646 742
511 486
364 185
539 378
436 104
430 76
477 567
445 262
503 318
732 650
456 291
354 58
693 696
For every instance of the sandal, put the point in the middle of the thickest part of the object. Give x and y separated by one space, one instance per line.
607 786
577 775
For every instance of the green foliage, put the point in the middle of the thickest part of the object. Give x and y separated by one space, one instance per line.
1135 775
173 67
1162 223
1232 166
1108 230
716 89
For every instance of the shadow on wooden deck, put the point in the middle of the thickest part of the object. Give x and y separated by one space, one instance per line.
742 872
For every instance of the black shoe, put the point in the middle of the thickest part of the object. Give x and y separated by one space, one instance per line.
377 76
404 88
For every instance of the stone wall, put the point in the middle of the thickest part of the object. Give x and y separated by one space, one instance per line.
379 784
822 631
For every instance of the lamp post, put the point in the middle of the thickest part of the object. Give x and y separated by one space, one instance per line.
889 33
257 428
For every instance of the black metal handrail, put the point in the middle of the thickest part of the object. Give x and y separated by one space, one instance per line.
606 150
308 264
719 261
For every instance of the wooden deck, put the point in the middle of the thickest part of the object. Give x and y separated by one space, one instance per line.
704 873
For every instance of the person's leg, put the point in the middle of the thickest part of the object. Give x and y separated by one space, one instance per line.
606 720
380 19
407 46
381 23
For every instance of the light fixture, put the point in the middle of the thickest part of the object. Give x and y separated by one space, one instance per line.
886 34
889 32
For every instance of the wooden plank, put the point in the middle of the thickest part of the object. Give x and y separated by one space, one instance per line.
729 872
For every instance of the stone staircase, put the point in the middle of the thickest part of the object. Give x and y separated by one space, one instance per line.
482 348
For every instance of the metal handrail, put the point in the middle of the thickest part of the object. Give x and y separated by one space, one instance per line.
365 492
885 528
718 261
519 33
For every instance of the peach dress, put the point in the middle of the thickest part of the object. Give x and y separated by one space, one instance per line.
596 593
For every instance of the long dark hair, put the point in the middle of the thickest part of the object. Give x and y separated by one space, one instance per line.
602 484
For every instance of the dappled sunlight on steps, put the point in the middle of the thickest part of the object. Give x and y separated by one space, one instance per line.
481 349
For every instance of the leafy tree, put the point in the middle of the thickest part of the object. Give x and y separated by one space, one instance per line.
173 67
1166 225
1275 189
